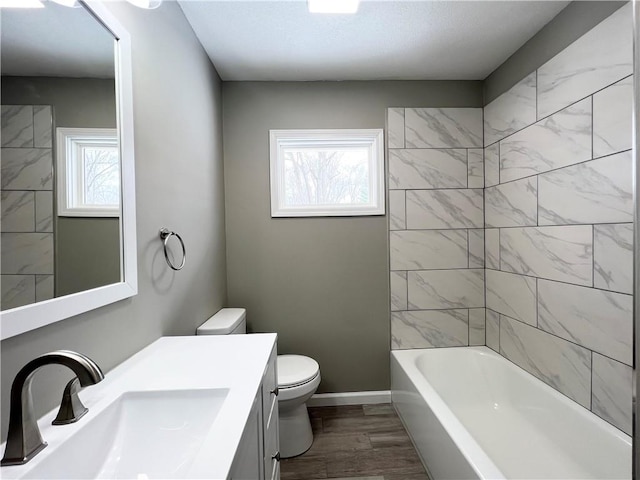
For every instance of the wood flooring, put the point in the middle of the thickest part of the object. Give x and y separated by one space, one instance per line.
363 442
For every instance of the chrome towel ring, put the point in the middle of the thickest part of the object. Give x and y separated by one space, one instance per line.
165 234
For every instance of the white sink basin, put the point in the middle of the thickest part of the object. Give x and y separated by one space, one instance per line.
141 435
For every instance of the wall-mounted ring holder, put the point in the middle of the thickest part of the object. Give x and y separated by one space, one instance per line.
165 234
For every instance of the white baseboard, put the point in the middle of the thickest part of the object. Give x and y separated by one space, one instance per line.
349 398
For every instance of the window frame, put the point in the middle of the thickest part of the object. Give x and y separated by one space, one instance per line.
68 184
372 138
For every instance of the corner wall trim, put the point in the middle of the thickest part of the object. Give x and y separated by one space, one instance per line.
349 398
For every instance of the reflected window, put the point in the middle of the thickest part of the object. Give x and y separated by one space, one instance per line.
88 172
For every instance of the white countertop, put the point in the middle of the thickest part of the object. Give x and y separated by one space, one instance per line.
236 362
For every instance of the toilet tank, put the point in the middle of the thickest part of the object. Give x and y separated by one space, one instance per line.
226 322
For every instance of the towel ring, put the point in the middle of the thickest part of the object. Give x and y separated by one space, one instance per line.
165 234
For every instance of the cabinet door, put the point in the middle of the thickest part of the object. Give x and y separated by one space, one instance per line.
247 462
270 420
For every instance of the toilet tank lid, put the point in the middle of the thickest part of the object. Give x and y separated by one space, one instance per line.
296 369
223 322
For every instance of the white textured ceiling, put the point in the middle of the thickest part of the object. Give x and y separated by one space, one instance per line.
55 41
385 40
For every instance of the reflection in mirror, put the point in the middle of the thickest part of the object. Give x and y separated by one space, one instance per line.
60 199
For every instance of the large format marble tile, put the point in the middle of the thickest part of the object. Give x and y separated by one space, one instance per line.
443 127
26 169
560 140
596 319
599 58
17 290
592 192
17 126
17 211
44 211
512 204
444 209
477 326
475 164
511 111
560 364
613 257
424 329
493 330
397 210
492 165
492 248
428 168
442 289
398 285
612 392
44 287
27 253
512 295
555 253
395 127
42 126
428 249
476 248
612 118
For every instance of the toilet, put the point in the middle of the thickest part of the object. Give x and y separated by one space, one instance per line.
298 379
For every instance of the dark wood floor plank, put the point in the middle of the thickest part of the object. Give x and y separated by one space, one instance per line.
356 443
382 461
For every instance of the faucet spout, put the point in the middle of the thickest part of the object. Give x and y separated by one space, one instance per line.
24 440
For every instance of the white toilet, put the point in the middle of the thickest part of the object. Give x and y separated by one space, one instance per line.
298 379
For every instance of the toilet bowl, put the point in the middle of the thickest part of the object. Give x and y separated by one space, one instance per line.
298 379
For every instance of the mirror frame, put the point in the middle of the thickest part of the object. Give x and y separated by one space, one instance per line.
29 317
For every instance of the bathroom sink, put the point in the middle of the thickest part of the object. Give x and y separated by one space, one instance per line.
141 435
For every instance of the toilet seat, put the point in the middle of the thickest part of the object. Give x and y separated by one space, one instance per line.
296 370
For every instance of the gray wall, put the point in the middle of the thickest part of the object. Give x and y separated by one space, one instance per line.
87 250
569 25
320 283
179 182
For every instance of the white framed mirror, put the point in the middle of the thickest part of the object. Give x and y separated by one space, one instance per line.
35 297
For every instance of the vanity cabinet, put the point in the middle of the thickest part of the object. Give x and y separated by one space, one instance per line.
258 457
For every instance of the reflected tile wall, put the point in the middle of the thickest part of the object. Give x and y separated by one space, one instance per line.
395 128
558 222
428 249
475 163
438 209
26 202
442 289
477 326
428 168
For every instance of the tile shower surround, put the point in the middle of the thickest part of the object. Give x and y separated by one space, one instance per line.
26 204
549 202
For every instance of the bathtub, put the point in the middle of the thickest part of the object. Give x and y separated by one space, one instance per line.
473 414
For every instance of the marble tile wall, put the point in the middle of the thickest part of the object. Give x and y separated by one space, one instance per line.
436 227
558 221
26 205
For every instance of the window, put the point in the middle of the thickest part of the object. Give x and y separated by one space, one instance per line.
326 173
88 164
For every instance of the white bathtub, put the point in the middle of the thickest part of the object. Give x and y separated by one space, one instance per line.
473 414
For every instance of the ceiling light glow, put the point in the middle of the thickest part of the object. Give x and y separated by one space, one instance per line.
333 6
148 4
21 4
67 3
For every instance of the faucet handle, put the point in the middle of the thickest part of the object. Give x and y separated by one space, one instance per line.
71 408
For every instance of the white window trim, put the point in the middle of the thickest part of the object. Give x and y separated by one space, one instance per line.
372 138
64 137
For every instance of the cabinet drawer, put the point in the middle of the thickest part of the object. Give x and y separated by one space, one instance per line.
271 453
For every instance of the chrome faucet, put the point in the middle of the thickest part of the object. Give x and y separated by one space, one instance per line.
24 440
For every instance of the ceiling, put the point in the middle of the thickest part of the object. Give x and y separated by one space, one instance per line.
55 41
386 40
